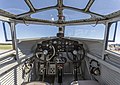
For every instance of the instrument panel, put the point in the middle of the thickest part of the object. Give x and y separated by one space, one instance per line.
60 45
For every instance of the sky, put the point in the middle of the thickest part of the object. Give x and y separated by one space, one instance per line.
35 31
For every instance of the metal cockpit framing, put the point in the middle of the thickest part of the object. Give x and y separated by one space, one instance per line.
61 22
25 17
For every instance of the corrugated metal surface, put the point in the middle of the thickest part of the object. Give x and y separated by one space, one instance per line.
109 77
113 58
14 77
8 79
19 75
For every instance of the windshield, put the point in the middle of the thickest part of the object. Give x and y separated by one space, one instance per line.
35 31
102 7
86 31
82 31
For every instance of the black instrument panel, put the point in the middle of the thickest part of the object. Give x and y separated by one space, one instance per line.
60 45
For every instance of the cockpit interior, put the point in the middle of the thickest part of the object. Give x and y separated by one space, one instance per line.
59 42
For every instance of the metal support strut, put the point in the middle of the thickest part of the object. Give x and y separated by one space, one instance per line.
61 18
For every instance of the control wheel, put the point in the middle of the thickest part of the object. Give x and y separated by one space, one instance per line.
47 54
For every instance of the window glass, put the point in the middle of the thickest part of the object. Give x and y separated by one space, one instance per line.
86 31
14 6
35 31
5 45
48 15
115 46
105 6
73 15
8 31
43 3
99 6
76 3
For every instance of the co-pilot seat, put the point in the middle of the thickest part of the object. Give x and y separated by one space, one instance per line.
85 82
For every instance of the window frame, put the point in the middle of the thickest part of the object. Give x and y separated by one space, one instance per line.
108 51
5 31
5 36
115 30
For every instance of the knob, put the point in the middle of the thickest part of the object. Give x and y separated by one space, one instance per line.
45 52
75 52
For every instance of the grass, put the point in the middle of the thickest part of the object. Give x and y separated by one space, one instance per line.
5 47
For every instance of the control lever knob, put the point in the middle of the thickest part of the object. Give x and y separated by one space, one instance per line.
45 52
75 52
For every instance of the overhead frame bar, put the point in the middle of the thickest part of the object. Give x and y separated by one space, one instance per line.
34 21
55 7
56 23
110 18
113 17
28 2
89 5
6 14
2 18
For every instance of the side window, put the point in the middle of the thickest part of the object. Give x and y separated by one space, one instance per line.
5 37
114 38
